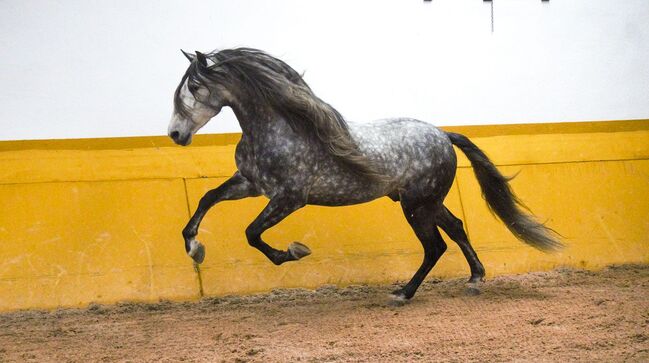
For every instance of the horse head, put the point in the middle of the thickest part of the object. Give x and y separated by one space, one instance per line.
198 98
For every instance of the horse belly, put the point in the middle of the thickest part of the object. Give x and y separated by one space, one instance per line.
337 187
329 199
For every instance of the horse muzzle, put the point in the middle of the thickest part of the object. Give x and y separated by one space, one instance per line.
180 138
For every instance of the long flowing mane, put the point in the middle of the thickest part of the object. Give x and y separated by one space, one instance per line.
255 75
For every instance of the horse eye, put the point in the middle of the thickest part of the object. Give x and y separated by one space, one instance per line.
192 88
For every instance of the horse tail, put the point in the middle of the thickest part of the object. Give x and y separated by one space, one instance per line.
502 201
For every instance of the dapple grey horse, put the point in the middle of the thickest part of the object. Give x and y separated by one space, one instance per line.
296 150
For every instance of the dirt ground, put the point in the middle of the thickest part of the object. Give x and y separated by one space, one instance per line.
564 315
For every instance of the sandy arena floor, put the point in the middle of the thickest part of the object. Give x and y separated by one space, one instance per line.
564 315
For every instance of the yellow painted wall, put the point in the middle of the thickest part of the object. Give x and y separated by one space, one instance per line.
99 220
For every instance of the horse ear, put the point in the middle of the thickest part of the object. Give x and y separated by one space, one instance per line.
200 57
190 57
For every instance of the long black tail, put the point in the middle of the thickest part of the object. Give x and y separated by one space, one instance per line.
502 201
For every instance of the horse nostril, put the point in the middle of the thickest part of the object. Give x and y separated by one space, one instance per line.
174 135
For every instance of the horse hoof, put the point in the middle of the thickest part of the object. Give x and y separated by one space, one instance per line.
196 251
298 250
397 298
472 289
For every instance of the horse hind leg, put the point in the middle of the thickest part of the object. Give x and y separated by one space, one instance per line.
455 230
421 217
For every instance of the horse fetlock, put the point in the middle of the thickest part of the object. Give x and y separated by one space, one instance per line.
196 251
298 250
476 278
477 274
189 234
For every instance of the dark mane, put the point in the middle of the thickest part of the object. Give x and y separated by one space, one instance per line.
255 75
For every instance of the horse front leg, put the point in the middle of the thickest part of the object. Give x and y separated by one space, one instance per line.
277 209
237 187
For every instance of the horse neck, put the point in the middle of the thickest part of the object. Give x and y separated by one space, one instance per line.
253 119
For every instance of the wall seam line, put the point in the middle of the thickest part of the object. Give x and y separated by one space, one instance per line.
197 267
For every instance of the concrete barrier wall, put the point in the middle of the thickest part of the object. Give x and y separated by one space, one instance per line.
99 220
